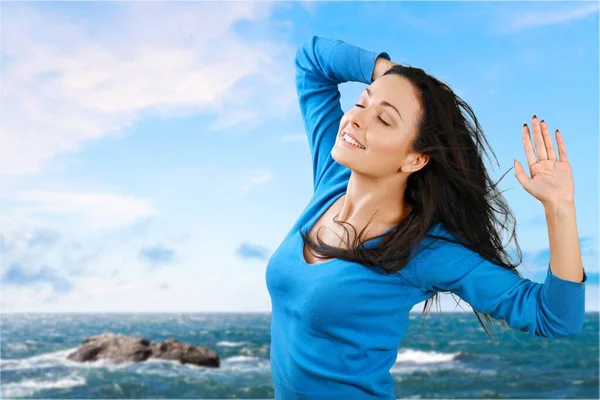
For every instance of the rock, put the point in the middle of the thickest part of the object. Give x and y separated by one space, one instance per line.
172 349
117 349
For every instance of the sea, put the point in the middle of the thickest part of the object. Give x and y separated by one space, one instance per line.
447 355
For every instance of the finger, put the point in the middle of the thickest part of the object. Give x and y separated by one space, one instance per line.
521 175
529 153
540 147
562 150
547 141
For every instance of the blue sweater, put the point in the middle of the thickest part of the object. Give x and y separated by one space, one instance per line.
336 325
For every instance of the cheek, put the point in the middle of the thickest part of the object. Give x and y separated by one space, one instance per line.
344 120
387 147
387 154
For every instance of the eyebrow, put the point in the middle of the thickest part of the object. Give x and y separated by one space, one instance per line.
385 103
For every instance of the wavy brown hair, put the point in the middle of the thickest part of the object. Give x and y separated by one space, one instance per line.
453 188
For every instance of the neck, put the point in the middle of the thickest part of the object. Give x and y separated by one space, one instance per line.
381 200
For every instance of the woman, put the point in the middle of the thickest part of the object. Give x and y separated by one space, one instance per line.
403 167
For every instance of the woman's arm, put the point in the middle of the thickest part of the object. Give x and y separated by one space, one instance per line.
321 64
565 252
555 308
552 183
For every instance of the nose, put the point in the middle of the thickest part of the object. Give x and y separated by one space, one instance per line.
356 120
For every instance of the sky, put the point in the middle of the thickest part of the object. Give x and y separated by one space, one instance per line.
153 155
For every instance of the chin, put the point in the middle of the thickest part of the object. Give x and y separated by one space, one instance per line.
334 153
336 156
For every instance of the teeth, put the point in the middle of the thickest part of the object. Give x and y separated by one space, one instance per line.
352 141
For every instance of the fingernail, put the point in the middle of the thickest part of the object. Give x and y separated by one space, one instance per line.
524 125
534 117
542 121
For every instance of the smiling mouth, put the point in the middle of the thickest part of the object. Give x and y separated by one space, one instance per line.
348 139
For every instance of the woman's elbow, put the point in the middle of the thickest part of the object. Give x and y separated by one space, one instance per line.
557 332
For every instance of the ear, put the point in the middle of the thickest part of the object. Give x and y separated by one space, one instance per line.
414 162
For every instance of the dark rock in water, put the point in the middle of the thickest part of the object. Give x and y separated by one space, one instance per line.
172 349
118 349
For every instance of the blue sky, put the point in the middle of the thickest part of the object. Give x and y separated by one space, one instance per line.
154 157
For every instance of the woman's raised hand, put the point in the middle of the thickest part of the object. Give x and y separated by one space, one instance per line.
551 179
381 66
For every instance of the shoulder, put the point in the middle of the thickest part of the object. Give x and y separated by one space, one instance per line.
439 237
441 248
444 264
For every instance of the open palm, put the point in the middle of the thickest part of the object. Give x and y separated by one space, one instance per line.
551 179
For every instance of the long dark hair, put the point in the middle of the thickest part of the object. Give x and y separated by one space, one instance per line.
449 133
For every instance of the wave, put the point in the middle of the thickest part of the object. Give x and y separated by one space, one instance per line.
225 343
430 362
425 357
16 346
27 388
240 359
45 360
453 342
59 358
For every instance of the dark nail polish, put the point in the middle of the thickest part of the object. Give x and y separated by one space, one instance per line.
534 117
542 121
524 125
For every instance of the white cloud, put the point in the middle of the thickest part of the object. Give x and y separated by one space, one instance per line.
96 210
106 274
309 6
532 18
255 178
67 81
44 267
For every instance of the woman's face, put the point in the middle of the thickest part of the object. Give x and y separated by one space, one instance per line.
384 121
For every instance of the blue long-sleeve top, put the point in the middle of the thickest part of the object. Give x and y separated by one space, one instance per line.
336 325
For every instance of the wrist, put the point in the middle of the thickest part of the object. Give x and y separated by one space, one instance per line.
382 64
559 208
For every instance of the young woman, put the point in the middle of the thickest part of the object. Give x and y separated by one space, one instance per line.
404 168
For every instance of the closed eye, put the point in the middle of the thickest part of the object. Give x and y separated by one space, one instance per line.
385 123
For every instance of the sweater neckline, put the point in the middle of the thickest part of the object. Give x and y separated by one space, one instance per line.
312 222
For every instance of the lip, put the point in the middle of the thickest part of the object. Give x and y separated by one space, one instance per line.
352 136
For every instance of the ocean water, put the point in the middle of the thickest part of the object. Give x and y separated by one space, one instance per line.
449 357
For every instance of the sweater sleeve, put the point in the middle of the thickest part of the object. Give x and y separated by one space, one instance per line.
555 308
321 64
